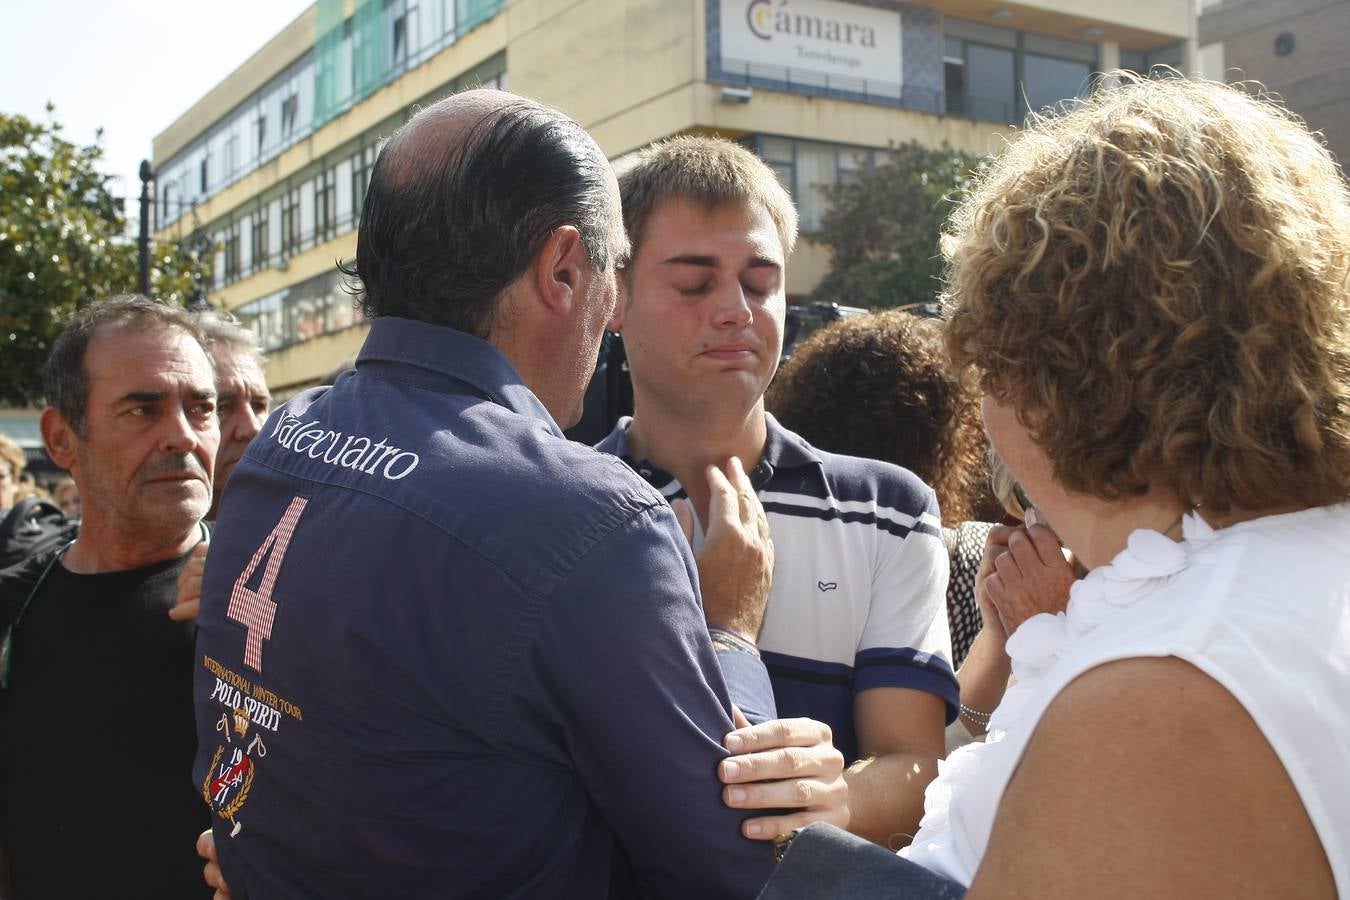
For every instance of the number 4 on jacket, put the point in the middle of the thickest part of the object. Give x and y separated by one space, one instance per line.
255 610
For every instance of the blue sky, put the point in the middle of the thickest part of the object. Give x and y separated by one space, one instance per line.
130 66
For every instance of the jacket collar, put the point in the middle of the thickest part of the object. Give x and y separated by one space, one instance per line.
441 358
783 449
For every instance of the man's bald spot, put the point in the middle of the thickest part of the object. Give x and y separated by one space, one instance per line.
462 198
442 128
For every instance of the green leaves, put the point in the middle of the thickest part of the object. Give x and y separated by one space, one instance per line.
63 243
883 228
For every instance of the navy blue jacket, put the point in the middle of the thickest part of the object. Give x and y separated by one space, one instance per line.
444 652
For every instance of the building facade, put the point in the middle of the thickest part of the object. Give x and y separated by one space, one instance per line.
1294 48
272 164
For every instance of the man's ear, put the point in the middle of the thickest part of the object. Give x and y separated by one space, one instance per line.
59 438
558 269
615 322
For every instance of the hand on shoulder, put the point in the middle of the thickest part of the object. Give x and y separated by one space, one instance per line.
789 766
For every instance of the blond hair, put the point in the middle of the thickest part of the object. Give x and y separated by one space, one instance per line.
1157 281
1004 485
12 453
707 170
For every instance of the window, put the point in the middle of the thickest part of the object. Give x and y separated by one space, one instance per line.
260 130
289 107
230 160
290 223
780 154
815 171
990 88
351 44
307 203
217 257
472 13
1047 80
265 318
244 228
313 307
273 214
361 164
325 205
998 74
203 175
954 75
231 251
852 163
1144 62
258 239
400 40
806 168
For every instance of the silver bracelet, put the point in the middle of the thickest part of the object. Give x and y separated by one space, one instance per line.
732 641
974 715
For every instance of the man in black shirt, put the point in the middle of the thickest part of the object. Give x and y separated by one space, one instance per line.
97 735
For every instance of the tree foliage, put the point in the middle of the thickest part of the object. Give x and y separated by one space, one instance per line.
63 243
883 228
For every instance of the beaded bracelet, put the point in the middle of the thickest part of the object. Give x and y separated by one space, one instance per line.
974 715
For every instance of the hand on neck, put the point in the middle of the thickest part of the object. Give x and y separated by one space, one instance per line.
685 448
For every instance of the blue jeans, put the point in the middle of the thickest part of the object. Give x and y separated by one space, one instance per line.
824 861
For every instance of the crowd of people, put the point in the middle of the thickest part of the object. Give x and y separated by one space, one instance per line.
1046 599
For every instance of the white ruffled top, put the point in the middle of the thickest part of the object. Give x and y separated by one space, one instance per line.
1263 607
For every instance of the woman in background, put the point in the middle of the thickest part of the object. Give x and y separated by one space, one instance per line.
879 386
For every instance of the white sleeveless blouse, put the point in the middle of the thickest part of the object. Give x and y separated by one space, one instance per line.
1263 607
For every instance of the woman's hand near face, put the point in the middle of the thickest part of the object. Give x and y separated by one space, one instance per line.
1029 575
994 545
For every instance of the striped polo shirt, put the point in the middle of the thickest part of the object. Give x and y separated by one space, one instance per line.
859 579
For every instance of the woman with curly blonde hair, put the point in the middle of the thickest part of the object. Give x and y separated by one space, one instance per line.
1155 291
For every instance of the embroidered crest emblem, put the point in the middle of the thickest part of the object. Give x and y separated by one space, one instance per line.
230 775
827 585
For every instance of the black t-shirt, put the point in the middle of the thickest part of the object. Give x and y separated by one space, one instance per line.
97 738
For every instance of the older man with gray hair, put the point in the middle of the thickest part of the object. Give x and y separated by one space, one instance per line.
242 400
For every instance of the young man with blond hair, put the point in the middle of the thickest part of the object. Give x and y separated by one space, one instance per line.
855 631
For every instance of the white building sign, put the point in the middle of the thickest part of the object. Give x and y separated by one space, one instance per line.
819 38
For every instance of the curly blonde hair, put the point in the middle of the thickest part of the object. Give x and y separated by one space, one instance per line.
1158 281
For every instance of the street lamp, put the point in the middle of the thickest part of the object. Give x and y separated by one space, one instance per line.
143 243
198 243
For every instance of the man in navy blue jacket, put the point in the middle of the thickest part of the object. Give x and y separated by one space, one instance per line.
444 652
